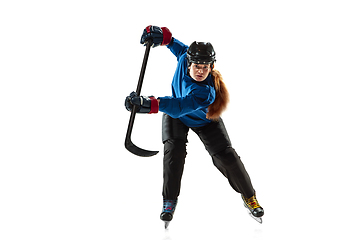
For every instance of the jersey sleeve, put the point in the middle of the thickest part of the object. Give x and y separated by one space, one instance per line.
178 107
177 48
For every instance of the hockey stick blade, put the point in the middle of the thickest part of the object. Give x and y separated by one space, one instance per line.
138 151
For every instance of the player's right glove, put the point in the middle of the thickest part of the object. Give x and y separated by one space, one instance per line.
160 36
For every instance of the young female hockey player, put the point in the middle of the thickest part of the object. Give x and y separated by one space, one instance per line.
198 98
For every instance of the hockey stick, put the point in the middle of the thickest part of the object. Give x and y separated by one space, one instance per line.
128 143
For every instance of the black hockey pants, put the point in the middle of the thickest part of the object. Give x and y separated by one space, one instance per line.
217 143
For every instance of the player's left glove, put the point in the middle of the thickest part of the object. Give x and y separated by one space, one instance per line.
143 104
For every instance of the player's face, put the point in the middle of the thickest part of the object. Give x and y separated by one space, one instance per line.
199 72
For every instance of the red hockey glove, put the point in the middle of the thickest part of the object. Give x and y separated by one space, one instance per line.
144 104
160 36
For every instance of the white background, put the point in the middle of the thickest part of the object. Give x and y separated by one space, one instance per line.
292 69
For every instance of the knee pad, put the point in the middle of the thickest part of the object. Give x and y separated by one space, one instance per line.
175 148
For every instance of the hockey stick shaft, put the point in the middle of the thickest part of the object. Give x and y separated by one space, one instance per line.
128 143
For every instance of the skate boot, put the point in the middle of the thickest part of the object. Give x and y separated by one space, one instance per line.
168 211
255 210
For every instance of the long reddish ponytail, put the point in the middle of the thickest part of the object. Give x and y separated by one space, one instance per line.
222 97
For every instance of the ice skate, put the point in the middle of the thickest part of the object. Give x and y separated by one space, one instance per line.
254 208
168 211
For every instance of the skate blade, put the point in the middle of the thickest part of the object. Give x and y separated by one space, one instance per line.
166 224
258 219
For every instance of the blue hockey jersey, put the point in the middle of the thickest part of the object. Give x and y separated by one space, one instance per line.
190 99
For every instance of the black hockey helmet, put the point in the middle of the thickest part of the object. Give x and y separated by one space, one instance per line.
201 53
